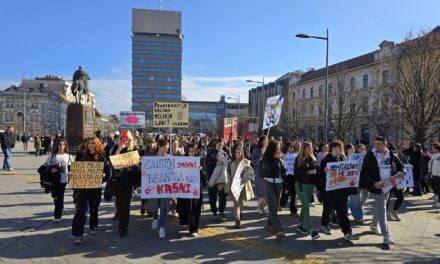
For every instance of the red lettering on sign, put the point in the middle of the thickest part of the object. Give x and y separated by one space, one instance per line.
168 189
186 165
159 189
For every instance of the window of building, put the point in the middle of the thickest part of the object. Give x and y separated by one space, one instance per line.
364 105
156 70
293 95
304 93
365 81
340 86
157 52
320 110
385 77
330 88
321 91
140 87
152 61
352 83
157 44
311 110
156 78
312 92
151 35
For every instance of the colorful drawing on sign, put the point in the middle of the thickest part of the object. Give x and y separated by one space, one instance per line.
272 112
230 128
130 119
408 180
392 181
242 175
344 174
86 175
290 163
125 160
170 177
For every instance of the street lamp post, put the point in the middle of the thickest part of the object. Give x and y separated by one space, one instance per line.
326 81
24 108
262 83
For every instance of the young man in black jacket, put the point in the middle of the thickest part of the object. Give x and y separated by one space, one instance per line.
378 165
7 141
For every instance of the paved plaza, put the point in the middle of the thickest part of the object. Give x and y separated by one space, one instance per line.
27 234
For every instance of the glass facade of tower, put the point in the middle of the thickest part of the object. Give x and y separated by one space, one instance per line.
156 62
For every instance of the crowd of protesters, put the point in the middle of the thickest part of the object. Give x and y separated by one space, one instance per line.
271 186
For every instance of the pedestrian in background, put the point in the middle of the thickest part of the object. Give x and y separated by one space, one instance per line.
7 142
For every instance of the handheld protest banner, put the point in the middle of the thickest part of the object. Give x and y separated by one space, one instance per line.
125 160
86 175
344 174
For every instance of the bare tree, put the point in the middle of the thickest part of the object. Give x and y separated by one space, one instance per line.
415 83
344 105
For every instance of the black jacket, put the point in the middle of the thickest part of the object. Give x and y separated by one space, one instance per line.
370 173
7 140
273 168
301 171
211 161
127 179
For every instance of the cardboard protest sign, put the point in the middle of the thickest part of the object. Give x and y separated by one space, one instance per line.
408 180
170 114
242 175
344 174
130 119
170 177
230 128
86 175
272 111
357 157
289 160
125 160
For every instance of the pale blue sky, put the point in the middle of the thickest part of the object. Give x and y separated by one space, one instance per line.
225 41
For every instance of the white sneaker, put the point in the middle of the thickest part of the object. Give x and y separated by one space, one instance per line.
194 234
312 204
266 210
78 240
162 232
389 241
375 230
56 220
434 197
154 224
260 211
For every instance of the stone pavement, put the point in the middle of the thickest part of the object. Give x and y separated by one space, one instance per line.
27 234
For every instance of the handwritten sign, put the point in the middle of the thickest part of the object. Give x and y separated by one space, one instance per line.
250 128
357 157
272 111
86 175
129 119
242 175
390 182
344 174
170 115
290 163
170 177
408 180
125 160
230 128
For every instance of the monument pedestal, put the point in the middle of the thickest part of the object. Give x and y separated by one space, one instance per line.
80 124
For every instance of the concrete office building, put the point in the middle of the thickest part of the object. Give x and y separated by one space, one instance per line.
156 59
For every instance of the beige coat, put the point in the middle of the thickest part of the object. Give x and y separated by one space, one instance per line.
247 193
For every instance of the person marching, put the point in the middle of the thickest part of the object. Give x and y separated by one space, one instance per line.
124 180
59 156
257 157
247 192
306 173
189 210
336 199
93 151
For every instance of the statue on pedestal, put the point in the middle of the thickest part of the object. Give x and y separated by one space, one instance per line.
80 85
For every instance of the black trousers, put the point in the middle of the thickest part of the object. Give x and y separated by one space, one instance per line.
436 185
289 191
82 198
123 202
57 194
399 198
213 193
337 200
417 187
189 212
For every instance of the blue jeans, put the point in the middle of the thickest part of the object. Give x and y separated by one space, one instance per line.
38 152
163 212
355 205
7 153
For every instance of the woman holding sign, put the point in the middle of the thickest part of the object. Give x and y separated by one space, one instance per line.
336 199
305 173
241 187
124 180
59 156
93 151
190 209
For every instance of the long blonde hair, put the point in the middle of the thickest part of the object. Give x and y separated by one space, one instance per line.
130 147
302 153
